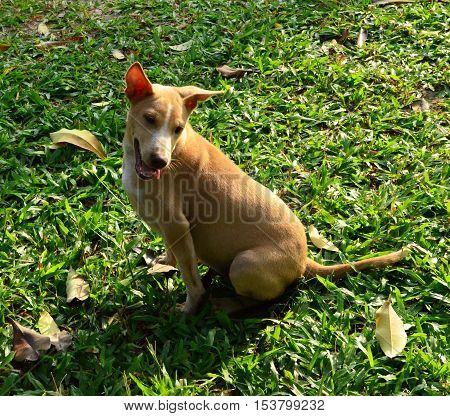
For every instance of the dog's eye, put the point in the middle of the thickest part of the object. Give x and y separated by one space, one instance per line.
178 130
149 118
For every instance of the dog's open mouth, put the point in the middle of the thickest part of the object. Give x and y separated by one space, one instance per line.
144 171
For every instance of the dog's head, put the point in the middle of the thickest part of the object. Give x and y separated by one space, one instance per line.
157 119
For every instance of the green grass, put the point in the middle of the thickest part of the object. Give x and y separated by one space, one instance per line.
328 126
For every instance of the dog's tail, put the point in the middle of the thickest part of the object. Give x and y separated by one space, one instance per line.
313 268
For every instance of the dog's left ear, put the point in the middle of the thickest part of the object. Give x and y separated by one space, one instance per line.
192 95
138 85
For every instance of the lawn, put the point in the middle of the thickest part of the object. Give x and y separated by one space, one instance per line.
354 139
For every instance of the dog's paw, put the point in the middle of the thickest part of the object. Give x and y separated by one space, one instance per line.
185 308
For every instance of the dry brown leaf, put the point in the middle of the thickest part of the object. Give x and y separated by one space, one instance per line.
390 332
63 42
320 241
76 287
4 47
117 54
160 268
27 343
80 138
385 2
362 37
61 341
228 72
421 105
182 46
43 29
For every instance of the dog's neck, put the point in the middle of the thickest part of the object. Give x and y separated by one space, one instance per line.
187 156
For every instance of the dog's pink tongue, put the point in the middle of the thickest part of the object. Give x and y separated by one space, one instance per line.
157 173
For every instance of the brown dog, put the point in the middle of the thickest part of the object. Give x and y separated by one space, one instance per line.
206 208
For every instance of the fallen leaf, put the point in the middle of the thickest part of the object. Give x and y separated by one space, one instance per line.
320 241
390 332
362 37
344 36
80 138
182 46
76 287
61 340
117 54
46 324
8 70
421 105
228 72
27 343
384 2
4 47
160 268
101 104
43 29
63 42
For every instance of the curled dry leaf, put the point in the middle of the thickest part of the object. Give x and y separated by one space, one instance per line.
160 268
228 72
43 29
76 287
62 42
320 241
182 46
81 138
27 343
61 341
390 331
117 54
362 37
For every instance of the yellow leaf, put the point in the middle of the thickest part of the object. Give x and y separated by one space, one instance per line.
81 138
320 241
61 340
43 29
160 268
76 287
117 54
46 324
182 46
390 332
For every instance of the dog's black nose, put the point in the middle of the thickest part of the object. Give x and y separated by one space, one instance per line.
157 162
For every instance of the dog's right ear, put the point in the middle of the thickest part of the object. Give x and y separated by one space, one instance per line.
138 85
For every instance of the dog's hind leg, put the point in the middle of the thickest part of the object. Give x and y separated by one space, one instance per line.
262 274
233 304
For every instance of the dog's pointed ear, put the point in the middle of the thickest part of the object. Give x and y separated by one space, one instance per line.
192 95
138 85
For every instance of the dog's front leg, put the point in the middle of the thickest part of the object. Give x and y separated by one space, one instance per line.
178 239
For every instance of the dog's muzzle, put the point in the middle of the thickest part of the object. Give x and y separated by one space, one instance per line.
143 170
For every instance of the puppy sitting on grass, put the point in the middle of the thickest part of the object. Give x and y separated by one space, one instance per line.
207 208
